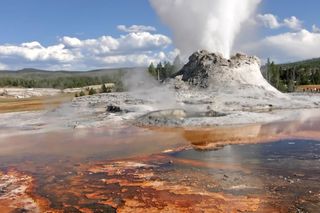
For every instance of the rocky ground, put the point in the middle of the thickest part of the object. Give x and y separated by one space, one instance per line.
27 92
208 91
23 93
192 109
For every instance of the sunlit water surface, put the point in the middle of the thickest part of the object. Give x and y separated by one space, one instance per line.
279 161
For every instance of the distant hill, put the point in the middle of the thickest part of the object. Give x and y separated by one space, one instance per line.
35 78
34 72
310 63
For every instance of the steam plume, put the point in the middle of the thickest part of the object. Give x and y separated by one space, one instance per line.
205 24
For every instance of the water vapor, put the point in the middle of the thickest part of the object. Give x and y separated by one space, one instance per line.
205 24
143 86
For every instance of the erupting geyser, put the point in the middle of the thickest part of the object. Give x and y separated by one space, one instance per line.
211 26
205 24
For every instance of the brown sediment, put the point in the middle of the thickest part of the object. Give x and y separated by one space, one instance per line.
155 183
16 193
142 189
132 185
161 182
144 185
33 104
312 135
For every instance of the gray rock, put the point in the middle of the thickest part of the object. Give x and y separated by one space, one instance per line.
113 109
173 117
212 70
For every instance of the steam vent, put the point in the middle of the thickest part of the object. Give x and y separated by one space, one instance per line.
214 72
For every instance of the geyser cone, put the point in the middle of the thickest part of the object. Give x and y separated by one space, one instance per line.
214 72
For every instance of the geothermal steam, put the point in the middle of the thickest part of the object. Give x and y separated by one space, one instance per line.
205 24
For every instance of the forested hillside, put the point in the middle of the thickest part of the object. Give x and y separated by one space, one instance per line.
288 77
33 78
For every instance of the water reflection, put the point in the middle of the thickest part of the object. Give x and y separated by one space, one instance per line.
102 143
308 127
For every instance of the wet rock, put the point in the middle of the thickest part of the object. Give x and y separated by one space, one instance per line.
99 208
71 210
212 113
298 175
172 117
113 109
20 211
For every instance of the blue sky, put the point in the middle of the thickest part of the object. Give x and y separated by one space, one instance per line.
46 33
45 20
307 11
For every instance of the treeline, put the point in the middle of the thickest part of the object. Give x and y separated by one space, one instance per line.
61 82
164 70
287 77
92 91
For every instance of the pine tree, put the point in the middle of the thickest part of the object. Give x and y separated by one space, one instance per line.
152 69
159 70
268 70
168 70
275 75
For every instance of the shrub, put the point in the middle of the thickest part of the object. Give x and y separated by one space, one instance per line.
104 89
92 91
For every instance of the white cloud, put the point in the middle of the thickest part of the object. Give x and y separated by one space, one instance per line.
125 44
288 46
136 28
71 42
131 49
271 21
293 23
138 59
34 51
315 29
3 66
32 45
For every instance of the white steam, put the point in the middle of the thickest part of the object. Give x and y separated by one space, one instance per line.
144 87
205 24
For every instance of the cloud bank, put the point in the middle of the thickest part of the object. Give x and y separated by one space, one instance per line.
138 47
298 43
271 21
286 47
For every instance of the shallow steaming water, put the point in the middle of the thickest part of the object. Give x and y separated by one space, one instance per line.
273 167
